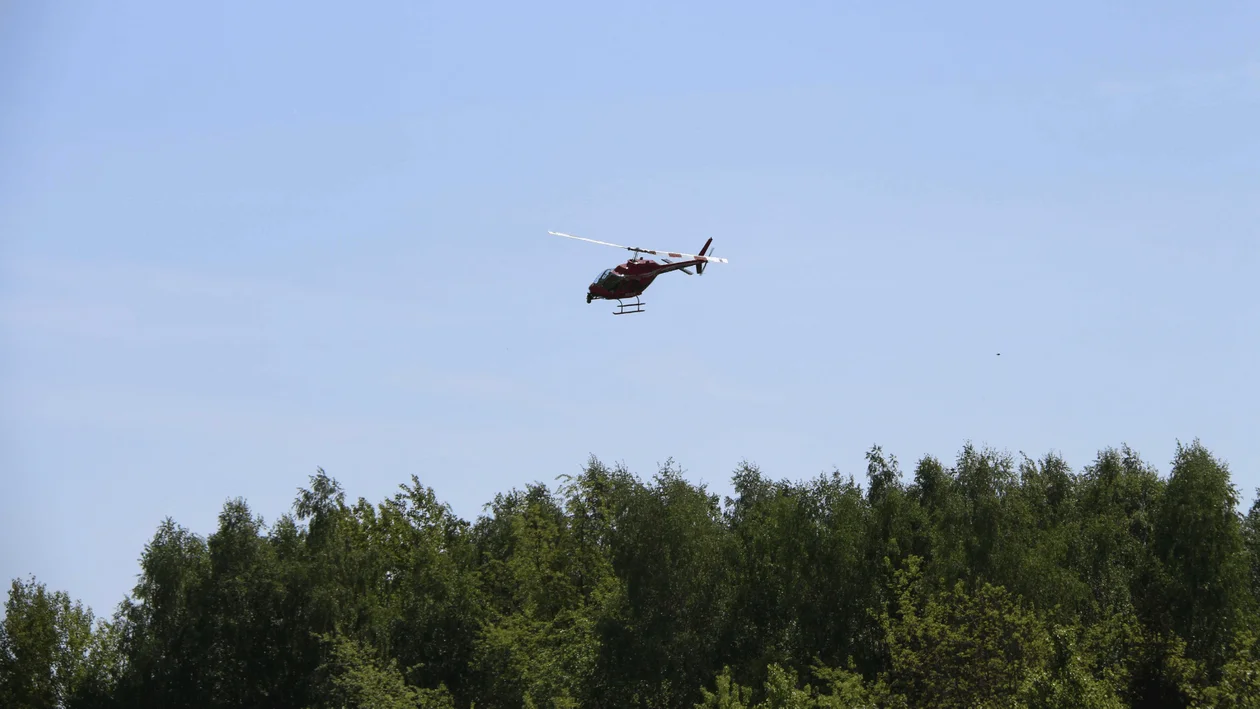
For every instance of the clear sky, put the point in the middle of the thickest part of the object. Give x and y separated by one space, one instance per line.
242 240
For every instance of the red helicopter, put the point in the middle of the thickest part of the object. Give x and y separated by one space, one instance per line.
630 279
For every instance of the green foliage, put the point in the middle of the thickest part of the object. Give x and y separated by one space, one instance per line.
958 648
990 582
1239 683
49 655
1199 540
728 694
782 690
358 679
539 643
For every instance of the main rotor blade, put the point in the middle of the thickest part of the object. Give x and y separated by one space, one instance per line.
605 243
676 254
644 251
709 259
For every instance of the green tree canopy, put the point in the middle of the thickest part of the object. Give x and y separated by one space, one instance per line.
991 581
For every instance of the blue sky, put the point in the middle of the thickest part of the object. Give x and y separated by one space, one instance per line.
242 240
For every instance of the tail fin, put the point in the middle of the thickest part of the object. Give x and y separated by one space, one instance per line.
700 266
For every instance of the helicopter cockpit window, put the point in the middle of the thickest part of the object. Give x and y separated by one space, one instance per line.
603 276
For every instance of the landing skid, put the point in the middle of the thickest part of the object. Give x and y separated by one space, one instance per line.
629 308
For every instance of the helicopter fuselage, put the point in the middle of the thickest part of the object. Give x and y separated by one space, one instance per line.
630 279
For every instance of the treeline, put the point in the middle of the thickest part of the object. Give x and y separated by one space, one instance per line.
997 582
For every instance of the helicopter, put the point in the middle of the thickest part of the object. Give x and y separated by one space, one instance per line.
630 279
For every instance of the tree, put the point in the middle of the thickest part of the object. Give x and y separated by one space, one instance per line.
1118 500
357 678
45 645
1198 537
960 648
670 550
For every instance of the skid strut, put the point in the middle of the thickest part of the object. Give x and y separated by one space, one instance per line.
629 308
